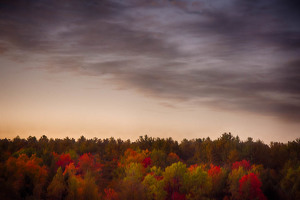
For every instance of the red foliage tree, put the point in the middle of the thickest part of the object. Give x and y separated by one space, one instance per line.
214 171
110 194
146 162
250 187
63 160
218 180
88 162
244 163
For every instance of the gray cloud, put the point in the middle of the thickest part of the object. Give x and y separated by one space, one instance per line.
227 54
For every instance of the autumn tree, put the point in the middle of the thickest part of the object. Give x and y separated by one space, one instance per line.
174 178
233 180
159 158
291 183
197 182
172 158
131 187
27 176
88 162
62 160
110 194
115 169
57 187
154 183
217 176
250 188
89 189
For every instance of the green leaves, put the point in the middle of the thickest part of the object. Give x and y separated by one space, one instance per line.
291 182
57 187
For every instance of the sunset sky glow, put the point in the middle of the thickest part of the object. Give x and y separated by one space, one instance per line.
125 68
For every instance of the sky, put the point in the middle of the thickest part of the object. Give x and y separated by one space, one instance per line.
165 68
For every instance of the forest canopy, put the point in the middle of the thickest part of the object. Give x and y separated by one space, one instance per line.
148 168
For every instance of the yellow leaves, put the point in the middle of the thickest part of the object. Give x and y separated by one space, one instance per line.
132 156
134 171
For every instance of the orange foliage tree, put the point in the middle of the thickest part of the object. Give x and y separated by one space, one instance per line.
27 175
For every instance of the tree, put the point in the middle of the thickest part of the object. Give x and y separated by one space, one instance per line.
217 176
146 162
174 178
233 156
159 158
89 189
26 175
112 169
197 182
233 181
63 160
172 158
154 184
57 187
291 183
74 183
131 155
244 164
249 188
131 187
88 162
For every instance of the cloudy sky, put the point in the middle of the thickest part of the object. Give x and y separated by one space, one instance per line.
166 68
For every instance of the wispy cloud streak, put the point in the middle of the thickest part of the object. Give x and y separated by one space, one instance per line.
227 54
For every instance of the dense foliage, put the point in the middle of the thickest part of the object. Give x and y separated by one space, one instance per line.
149 168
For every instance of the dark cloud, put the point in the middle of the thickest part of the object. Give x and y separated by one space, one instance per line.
290 76
228 54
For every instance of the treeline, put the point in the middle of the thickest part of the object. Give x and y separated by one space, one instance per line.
149 168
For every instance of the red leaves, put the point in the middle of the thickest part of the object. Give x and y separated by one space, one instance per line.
146 162
178 196
24 169
110 194
192 167
214 170
85 162
63 160
88 162
244 163
250 187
